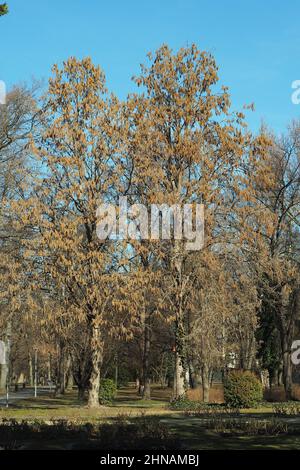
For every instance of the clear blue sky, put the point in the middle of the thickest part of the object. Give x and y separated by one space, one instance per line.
256 43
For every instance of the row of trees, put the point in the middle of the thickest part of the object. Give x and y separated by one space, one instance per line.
151 308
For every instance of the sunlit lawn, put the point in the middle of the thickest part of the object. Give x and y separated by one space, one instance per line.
68 406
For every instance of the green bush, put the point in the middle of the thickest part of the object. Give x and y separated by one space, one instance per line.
242 389
199 408
183 403
108 391
287 409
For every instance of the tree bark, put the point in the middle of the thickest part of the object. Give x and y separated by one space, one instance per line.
179 388
81 392
192 375
140 383
3 375
69 374
61 369
81 367
30 368
96 353
49 367
287 329
205 383
287 374
179 372
5 368
146 359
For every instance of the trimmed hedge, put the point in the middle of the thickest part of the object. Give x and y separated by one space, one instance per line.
108 391
242 389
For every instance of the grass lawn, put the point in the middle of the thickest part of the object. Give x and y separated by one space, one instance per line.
67 406
190 431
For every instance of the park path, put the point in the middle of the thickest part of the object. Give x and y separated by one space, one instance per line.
23 394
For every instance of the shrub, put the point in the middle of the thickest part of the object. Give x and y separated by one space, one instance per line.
197 408
108 391
287 409
183 403
124 433
213 411
249 427
242 390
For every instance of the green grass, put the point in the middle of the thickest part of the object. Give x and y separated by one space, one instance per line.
190 430
68 406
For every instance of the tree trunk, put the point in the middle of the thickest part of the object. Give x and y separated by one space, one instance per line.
137 383
81 392
287 335
287 374
96 353
180 333
5 372
205 383
81 369
192 375
279 377
179 388
70 381
49 366
61 369
162 372
179 371
272 377
3 376
146 358
69 374
30 368
140 383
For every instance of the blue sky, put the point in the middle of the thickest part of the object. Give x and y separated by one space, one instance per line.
256 43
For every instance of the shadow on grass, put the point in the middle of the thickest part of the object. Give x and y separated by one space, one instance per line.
119 433
174 432
43 404
118 427
129 397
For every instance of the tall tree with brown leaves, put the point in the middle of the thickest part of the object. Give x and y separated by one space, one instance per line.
77 148
187 147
